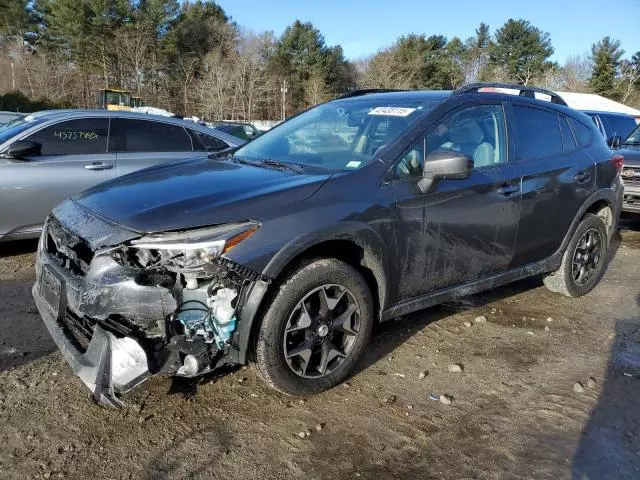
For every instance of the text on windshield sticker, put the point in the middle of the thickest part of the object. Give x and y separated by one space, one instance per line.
392 111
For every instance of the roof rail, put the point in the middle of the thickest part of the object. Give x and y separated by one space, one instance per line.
525 90
366 91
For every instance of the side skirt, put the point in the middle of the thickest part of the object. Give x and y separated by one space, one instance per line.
475 286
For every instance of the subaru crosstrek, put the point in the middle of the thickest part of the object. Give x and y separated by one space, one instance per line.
286 251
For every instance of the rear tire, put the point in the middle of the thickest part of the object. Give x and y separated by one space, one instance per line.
315 329
584 260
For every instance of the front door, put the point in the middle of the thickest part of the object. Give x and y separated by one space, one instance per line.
462 229
73 158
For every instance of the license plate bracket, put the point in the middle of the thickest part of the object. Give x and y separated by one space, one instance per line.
52 291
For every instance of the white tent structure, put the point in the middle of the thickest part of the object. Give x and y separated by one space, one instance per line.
583 101
591 101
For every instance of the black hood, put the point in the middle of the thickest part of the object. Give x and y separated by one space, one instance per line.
196 193
631 154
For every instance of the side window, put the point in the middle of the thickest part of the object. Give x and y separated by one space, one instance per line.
583 134
620 126
478 132
73 137
150 136
538 134
208 142
412 162
568 141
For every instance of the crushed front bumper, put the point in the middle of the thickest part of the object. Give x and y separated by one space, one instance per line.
92 318
110 366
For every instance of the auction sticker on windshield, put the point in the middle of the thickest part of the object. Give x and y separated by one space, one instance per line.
392 111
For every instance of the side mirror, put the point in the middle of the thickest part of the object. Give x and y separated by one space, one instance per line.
615 141
22 148
441 165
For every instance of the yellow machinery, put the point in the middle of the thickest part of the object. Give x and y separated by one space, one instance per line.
117 99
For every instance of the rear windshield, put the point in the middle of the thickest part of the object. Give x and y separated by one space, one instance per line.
341 135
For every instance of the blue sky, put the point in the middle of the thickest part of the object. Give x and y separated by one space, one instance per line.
362 27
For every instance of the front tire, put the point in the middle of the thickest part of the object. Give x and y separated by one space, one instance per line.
315 329
584 260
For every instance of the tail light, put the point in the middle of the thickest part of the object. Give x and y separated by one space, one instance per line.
618 161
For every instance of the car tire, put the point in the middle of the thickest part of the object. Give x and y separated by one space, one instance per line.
298 331
580 254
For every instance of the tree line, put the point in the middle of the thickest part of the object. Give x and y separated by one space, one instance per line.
192 58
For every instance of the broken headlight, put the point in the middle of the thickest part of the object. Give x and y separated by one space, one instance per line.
189 251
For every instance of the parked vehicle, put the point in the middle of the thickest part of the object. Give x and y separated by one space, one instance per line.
288 251
614 127
8 117
244 131
50 155
630 150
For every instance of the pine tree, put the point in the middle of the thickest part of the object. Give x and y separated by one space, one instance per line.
606 56
522 49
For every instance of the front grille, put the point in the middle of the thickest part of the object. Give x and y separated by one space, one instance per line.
79 330
631 176
67 249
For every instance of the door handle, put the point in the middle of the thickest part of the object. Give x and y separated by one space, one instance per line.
508 189
582 177
99 166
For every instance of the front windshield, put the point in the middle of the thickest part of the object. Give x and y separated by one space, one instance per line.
18 126
634 138
341 135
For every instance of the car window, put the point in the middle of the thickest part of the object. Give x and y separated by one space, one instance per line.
209 142
583 134
328 135
150 136
73 137
340 135
620 126
634 138
538 134
568 142
478 132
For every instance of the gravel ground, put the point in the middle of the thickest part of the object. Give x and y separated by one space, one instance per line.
549 387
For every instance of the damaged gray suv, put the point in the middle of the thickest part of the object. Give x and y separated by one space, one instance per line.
286 251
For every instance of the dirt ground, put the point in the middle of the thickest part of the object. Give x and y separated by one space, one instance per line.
515 413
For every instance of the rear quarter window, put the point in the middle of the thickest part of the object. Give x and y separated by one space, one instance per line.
538 134
583 134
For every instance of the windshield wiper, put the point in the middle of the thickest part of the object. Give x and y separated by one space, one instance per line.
282 165
222 153
630 143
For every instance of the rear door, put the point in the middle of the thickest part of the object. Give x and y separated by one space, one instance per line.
557 177
462 229
73 158
143 143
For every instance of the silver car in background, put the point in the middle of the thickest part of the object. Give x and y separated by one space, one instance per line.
51 155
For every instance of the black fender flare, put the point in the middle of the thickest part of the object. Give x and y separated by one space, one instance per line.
359 233
613 196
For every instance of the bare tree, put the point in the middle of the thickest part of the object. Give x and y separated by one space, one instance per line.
628 79
133 44
576 72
